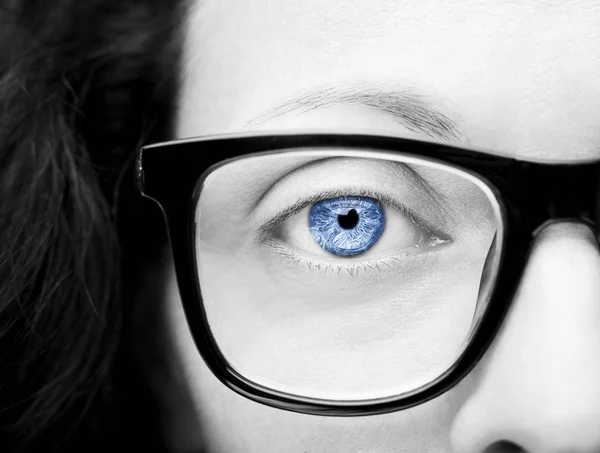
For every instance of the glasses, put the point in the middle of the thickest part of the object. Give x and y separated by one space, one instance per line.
351 274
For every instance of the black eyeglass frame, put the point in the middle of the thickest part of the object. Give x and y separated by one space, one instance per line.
530 195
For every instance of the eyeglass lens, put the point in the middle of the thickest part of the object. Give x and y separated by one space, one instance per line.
344 274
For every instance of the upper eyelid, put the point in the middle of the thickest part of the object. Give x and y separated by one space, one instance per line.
391 170
434 196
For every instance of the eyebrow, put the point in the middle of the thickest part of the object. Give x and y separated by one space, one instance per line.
409 107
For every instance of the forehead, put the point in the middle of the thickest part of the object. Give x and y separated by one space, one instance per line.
515 77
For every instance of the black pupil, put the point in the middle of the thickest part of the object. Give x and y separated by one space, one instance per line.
348 221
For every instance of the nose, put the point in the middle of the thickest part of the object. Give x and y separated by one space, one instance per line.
538 387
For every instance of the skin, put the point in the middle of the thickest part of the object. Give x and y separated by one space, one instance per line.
517 78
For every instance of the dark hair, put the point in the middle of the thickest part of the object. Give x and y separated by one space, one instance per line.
82 85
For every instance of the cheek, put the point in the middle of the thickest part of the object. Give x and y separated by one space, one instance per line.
229 422
305 333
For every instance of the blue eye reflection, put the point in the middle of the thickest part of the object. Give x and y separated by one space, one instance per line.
346 226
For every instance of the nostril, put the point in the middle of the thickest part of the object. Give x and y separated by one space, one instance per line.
504 446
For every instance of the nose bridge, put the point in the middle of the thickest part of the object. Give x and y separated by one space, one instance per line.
555 314
568 225
556 310
539 384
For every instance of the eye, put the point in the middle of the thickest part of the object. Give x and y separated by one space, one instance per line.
346 226
352 226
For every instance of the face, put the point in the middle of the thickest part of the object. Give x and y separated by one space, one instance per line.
514 78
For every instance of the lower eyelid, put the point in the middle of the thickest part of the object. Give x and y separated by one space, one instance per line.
355 266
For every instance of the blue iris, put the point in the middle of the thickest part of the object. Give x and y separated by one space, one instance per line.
346 226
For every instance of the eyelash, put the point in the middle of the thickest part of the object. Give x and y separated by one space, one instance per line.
352 270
